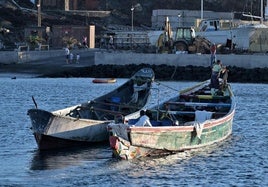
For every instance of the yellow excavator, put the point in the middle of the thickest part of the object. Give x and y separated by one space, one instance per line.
185 41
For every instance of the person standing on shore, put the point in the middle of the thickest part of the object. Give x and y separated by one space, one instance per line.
111 42
67 54
85 42
71 58
77 58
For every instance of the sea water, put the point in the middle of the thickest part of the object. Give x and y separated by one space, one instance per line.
241 160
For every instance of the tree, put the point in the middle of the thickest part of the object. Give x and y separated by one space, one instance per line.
69 41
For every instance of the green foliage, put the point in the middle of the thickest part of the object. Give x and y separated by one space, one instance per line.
70 41
34 40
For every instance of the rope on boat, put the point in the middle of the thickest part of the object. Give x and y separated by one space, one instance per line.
167 86
172 76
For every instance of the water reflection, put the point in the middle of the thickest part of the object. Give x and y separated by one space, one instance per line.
58 159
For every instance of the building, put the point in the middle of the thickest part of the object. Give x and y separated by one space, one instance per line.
266 11
185 17
54 37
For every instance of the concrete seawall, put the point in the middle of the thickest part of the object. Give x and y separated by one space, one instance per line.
126 58
10 57
243 61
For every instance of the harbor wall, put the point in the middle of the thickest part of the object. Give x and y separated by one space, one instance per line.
243 61
124 58
17 57
9 57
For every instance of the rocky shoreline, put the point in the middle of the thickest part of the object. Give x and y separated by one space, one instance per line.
57 68
164 73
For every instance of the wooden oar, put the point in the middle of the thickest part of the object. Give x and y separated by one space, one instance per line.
34 102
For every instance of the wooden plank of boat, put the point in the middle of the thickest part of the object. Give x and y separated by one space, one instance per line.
175 131
86 123
187 112
112 80
121 105
199 104
205 96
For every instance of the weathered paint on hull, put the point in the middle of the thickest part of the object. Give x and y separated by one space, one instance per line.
77 130
180 138
158 141
56 131
123 150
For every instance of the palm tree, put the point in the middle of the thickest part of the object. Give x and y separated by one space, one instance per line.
69 41
34 40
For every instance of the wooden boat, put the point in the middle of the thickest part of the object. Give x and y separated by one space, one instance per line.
191 120
112 80
87 122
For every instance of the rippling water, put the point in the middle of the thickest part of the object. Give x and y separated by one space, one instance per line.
241 160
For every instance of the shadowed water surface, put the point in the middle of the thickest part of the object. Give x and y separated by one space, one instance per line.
241 160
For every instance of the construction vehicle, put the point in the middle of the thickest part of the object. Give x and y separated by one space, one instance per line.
184 40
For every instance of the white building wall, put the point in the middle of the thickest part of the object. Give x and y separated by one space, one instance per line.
184 17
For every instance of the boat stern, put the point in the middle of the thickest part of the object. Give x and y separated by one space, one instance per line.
118 139
121 145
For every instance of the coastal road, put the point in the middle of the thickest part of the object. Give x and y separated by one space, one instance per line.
47 66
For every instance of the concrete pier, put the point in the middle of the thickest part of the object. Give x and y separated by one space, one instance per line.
243 61
104 57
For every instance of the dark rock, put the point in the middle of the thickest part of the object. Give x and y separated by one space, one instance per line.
165 73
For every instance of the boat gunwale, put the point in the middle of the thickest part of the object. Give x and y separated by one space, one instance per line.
207 124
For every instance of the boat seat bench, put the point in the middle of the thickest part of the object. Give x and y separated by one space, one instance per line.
199 104
109 111
205 96
116 104
190 112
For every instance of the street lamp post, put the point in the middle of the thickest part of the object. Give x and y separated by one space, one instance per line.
132 14
202 9
39 13
179 16
261 11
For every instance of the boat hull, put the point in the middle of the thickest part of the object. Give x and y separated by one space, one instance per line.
49 142
181 138
52 131
153 141
129 142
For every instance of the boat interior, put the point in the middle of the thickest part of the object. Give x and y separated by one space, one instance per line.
190 107
115 104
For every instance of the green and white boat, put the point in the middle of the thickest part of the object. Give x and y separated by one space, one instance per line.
193 119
